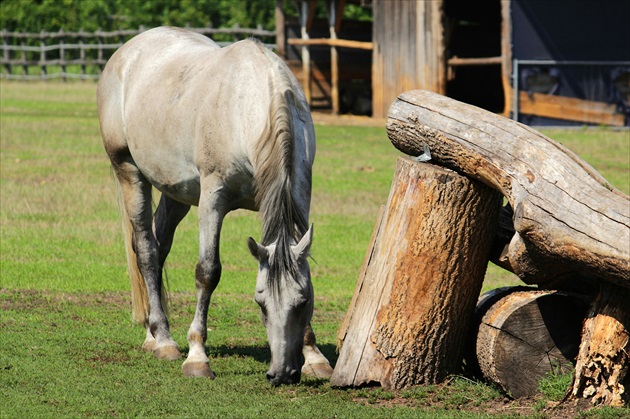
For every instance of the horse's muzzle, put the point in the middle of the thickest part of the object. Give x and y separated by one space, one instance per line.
292 377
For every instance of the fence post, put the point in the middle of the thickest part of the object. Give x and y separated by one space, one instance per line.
82 54
24 66
42 56
236 27
6 56
62 55
99 58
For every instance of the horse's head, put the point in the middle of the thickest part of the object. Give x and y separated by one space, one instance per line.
284 293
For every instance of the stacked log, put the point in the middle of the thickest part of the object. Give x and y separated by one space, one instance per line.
564 228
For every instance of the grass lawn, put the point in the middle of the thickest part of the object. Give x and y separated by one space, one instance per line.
68 346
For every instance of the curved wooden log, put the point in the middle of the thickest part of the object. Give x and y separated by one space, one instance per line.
568 219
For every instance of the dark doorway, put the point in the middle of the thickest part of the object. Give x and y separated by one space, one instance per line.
473 30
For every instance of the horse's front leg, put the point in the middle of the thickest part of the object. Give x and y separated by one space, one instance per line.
207 276
315 363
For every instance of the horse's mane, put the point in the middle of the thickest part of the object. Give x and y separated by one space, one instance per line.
282 221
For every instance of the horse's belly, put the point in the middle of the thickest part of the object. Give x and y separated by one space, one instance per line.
172 176
186 191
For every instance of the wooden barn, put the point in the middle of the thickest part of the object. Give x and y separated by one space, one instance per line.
551 62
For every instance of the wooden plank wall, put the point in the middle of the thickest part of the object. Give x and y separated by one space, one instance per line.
408 50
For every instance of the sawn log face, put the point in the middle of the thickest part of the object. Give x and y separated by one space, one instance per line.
568 219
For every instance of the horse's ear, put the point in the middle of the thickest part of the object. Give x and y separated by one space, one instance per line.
302 249
258 251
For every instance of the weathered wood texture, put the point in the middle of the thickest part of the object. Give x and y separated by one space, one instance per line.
567 218
408 39
570 109
602 369
415 296
526 334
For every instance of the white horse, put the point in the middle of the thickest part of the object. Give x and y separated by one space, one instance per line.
221 128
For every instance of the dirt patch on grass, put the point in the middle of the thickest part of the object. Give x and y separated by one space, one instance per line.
25 299
454 398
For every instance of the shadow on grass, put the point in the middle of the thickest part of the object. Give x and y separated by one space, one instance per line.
260 353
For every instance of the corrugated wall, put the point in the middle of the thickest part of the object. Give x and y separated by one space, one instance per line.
408 50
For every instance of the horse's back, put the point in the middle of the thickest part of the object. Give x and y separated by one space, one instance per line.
179 105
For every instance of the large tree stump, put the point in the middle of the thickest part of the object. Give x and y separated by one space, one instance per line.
568 221
415 297
526 334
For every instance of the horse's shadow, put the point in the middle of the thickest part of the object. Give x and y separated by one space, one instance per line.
263 354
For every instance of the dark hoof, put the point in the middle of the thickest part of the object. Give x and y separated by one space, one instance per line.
169 353
198 369
321 370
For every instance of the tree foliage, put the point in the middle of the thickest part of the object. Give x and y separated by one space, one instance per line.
107 15
90 15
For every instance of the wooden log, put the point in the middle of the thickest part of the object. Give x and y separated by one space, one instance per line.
524 335
603 361
416 293
567 218
568 221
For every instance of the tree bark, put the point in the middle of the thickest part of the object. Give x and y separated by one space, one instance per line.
604 360
416 293
526 334
567 218
568 221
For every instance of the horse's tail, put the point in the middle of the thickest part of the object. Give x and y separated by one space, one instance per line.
139 295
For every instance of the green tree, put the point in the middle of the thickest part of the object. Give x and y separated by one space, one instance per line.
90 15
72 15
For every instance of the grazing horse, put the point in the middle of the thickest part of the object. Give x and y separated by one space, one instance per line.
220 128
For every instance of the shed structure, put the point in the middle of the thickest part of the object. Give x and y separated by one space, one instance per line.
537 62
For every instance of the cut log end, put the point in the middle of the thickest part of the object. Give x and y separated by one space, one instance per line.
526 334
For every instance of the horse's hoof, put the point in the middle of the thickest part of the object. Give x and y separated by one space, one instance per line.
320 370
198 369
148 345
169 353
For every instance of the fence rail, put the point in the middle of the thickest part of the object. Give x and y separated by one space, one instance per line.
82 55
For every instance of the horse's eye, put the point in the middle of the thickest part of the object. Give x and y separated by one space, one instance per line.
302 304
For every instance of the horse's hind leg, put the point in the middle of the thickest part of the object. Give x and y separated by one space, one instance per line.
136 195
167 217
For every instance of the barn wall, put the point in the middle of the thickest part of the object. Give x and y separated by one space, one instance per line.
408 50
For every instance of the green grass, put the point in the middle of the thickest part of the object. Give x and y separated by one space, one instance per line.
68 346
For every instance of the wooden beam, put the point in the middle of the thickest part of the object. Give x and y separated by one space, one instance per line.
568 108
506 56
342 43
305 22
456 61
334 61
280 23
310 17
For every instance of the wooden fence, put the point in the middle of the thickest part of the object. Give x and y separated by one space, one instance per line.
82 55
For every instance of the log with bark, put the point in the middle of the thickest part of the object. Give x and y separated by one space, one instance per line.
568 221
525 335
413 305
